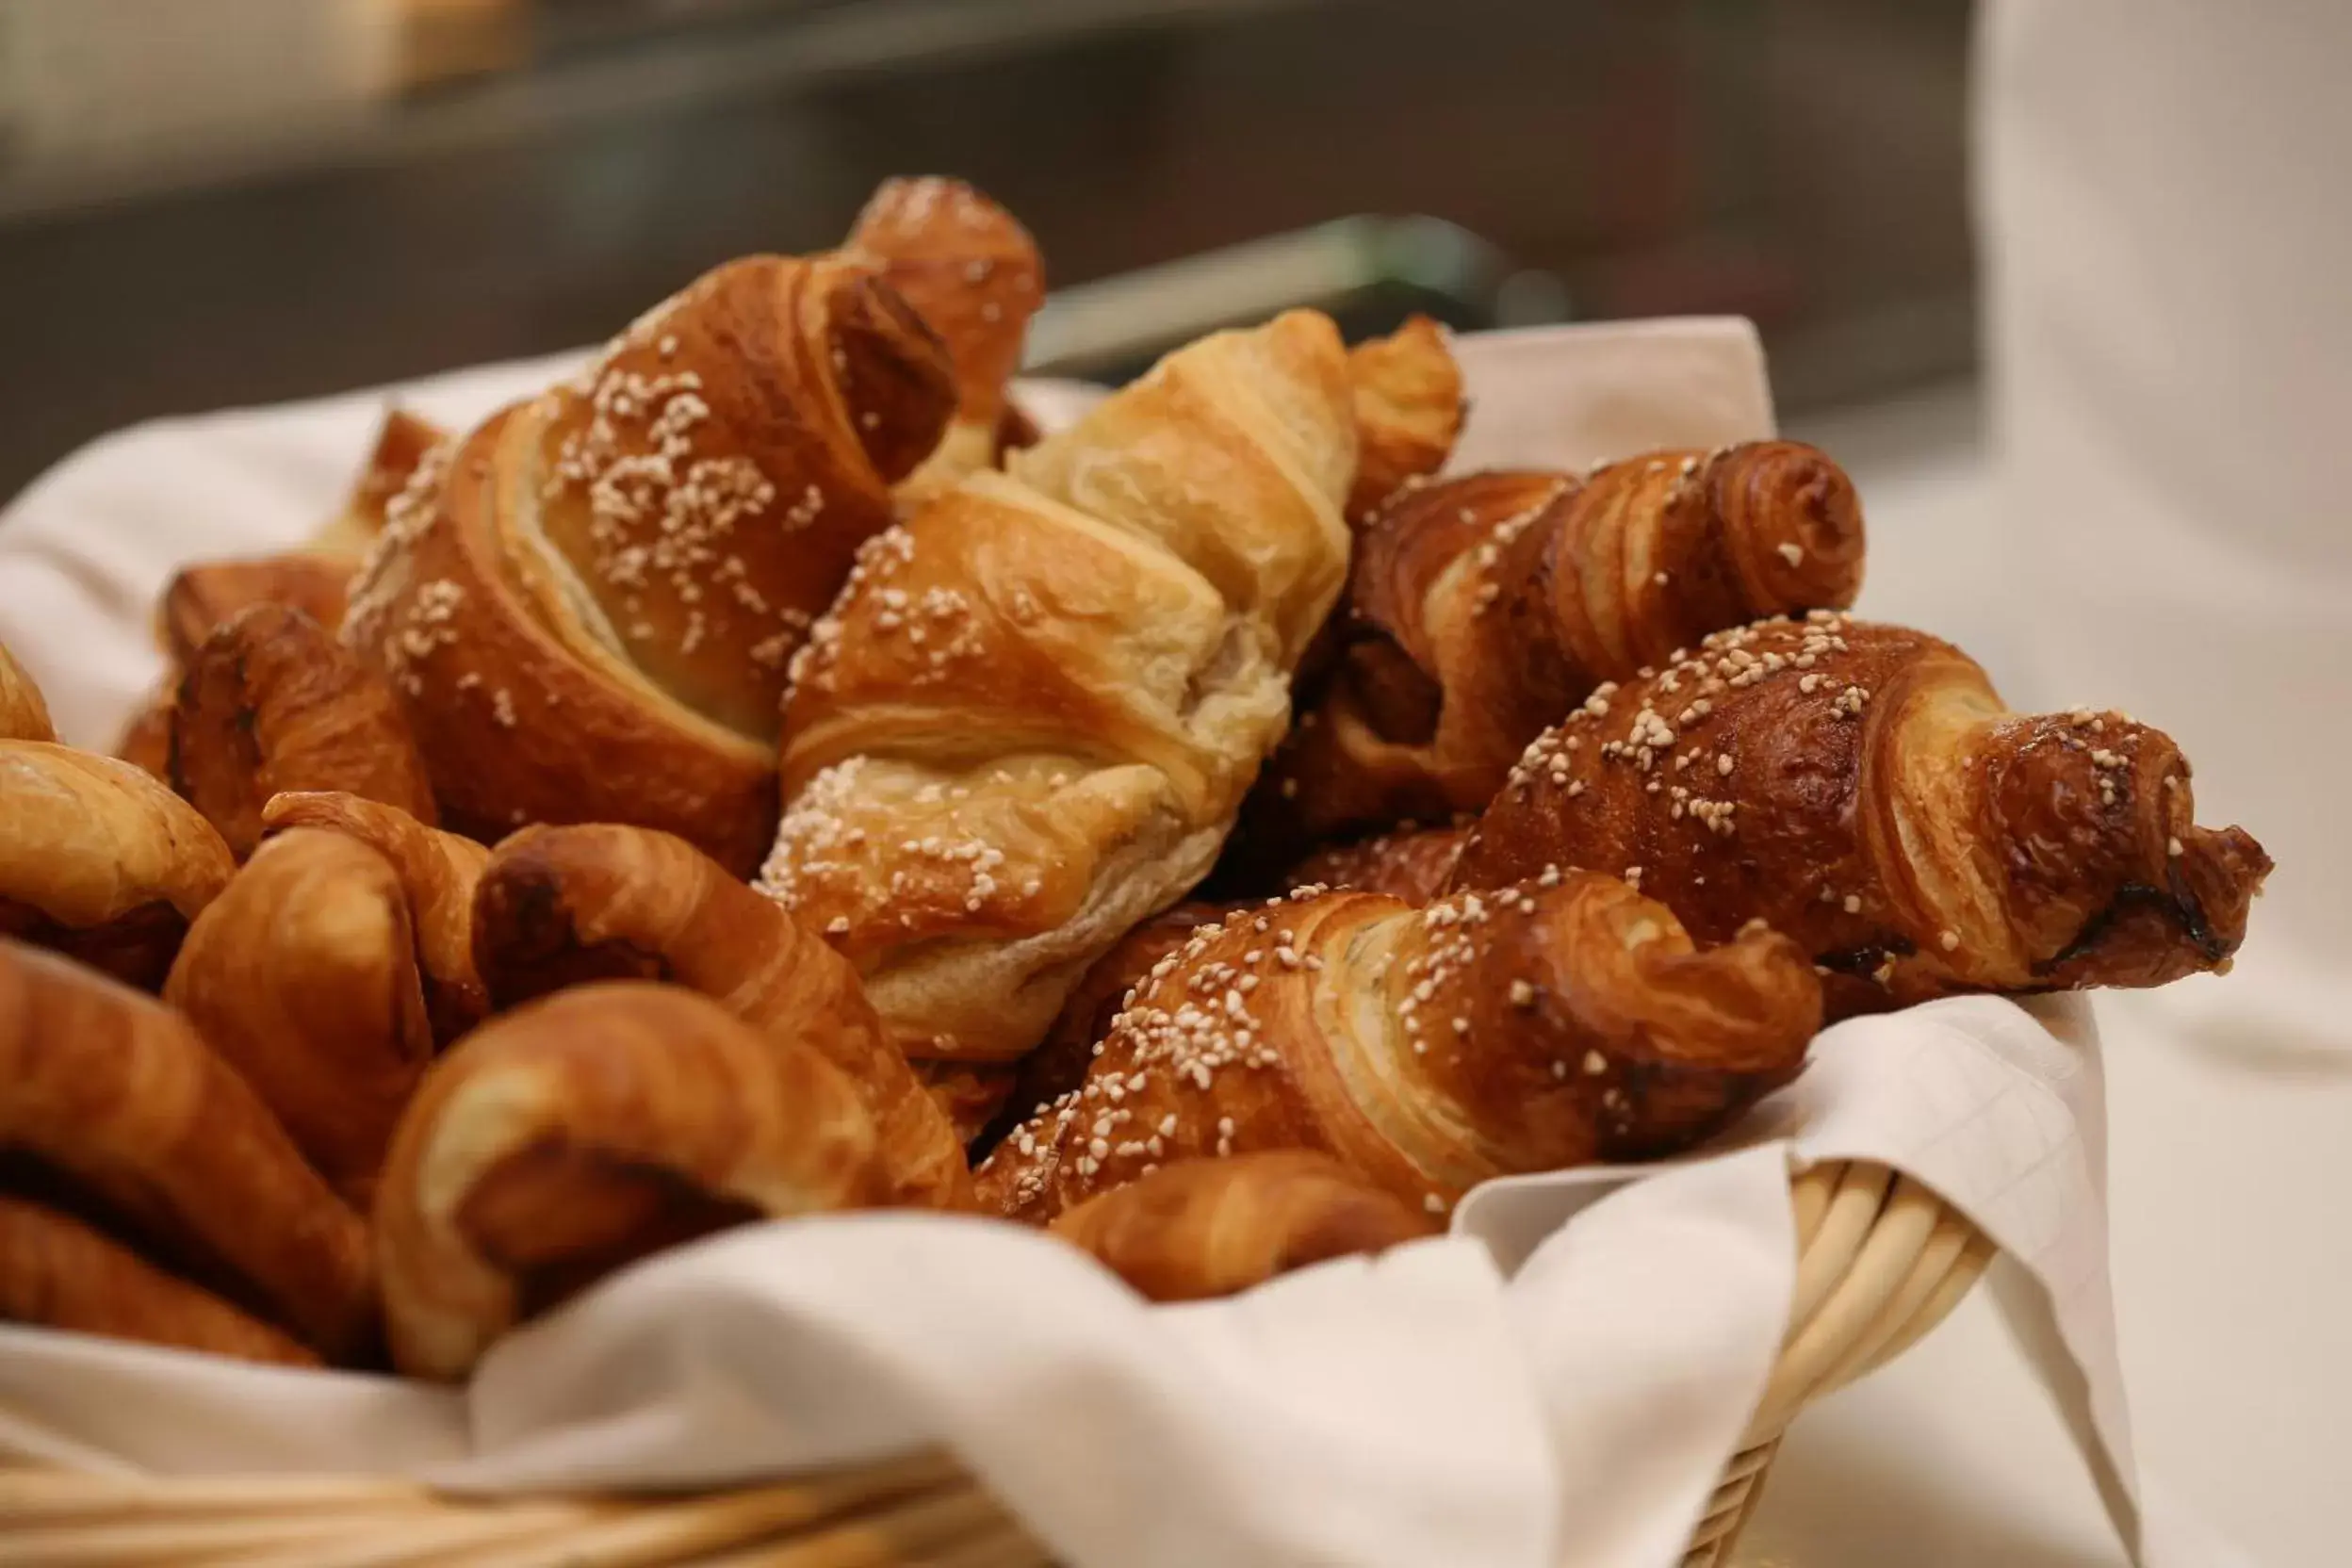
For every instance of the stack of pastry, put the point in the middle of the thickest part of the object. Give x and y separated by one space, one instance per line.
762 776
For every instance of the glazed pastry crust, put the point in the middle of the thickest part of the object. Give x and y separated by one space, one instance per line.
1863 789
1027 723
1480 609
589 603
1414 865
973 274
1532 1028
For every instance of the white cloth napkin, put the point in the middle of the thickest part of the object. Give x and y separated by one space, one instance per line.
1558 1381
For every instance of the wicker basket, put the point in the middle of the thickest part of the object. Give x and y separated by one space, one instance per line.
1881 1261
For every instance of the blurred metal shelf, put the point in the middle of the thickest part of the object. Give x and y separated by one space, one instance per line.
1675 156
600 69
1367 273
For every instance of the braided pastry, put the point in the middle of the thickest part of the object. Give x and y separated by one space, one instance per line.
1027 723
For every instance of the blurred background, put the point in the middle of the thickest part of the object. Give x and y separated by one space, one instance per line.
209 202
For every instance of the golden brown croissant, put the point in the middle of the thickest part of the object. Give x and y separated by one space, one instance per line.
1413 864
438 874
1862 789
973 274
302 975
1026 724
271 702
589 603
101 862
59 1272
1203 1228
116 1112
1524 1029
24 714
1409 412
1482 609
559 906
582 1132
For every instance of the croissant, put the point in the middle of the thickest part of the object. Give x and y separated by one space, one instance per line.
270 703
114 1111
1409 406
588 604
101 862
1028 722
559 905
1526 1029
1204 1227
1413 864
1483 608
1863 789
24 714
582 1132
973 274
438 874
58 1272
302 976
1059 1063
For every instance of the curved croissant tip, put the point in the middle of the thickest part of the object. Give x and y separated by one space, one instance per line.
1625 971
1809 543
298 807
2220 872
896 376
339 810
916 201
2142 895
1762 988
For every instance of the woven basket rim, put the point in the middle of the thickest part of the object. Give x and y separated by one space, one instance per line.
1880 1260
